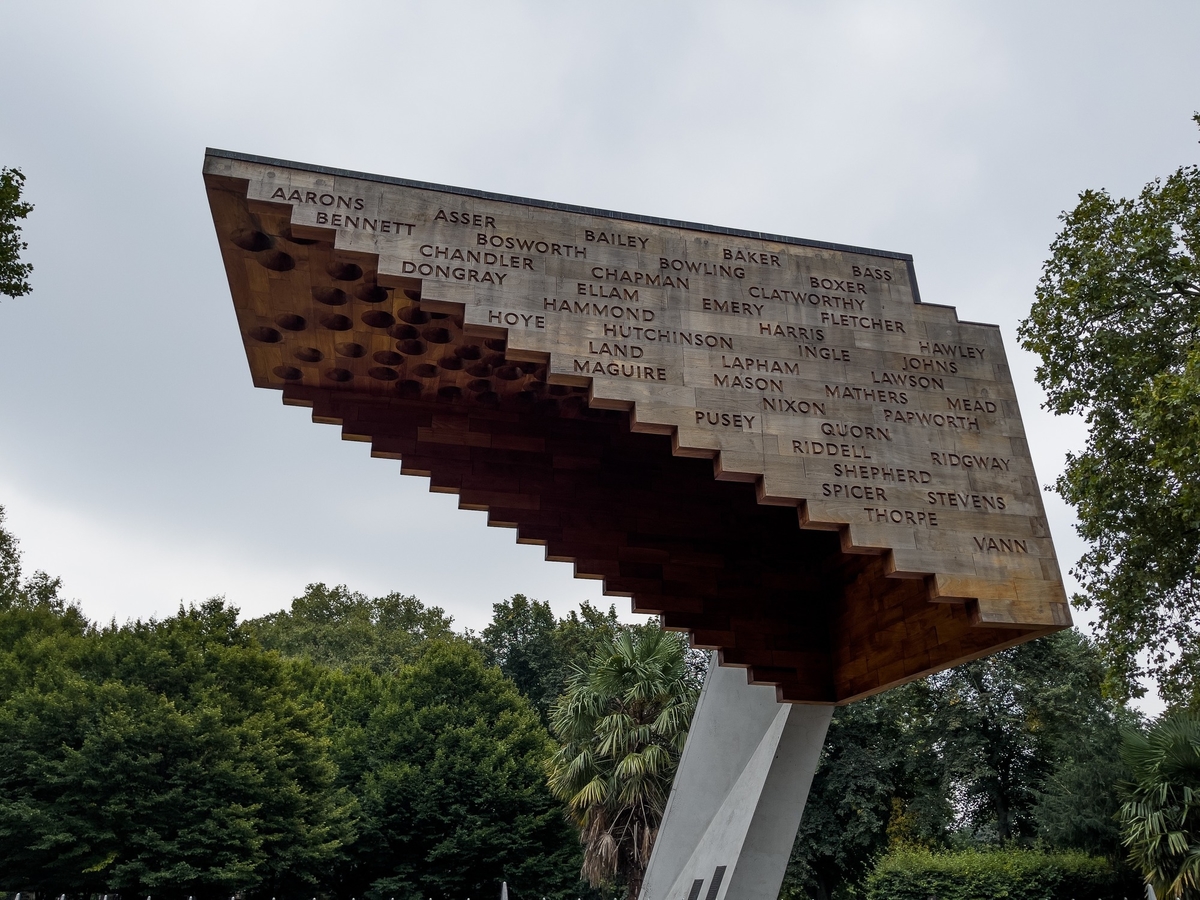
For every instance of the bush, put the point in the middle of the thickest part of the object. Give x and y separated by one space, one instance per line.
914 874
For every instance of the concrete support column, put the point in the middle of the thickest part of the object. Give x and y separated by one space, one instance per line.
737 799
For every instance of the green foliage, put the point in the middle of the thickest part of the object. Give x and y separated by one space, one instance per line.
621 725
1160 817
1017 732
919 874
1117 325
38 590
447 760
878 780
345 629
1018 748
537 651
375 755
14 274
161 755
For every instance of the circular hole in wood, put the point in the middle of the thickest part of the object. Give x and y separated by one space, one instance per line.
409 388
383 373
434 315
412 295
341 375
337 322
479 370
309 355
377 318
411 348
276 261
288 373
413 315
265 335
403 332
287 235
425 370
372 293
344 271
508 373
290 322
330 296
436 335
450 363
493 359
251 239
450 392
526 398
528 367
479 385
497 344
488 398
350 349
558 390
468 351
387 358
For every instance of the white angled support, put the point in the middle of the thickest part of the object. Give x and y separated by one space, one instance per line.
735 806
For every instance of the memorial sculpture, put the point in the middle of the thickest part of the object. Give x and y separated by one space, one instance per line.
770 443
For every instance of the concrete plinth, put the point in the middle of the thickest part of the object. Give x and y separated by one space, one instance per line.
736 803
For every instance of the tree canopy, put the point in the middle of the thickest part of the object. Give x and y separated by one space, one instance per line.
356 747
162 755
539 651
375 755
1116 323
1018 749
346 629
14 274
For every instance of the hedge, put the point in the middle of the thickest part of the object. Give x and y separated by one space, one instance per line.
914 874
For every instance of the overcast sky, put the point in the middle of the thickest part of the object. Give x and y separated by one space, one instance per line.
138 462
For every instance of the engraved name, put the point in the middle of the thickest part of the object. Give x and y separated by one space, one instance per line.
902 516
987 544
750 256
600 310
968 461
669 336
546 248
724 420
646 278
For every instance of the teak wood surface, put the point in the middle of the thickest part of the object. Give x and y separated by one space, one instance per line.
768 442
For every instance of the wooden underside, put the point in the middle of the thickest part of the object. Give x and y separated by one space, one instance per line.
743 578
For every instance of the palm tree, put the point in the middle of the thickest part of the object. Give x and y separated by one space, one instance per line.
622 723
1160 818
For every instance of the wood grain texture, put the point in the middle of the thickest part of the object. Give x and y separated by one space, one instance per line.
768 443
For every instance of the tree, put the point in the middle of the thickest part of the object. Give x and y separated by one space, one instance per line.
1160 818
1019 733
538 651
447 760
878 781
39 589
521 641
159 757
343 628
14 274
1117 325
622 724
1019 748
